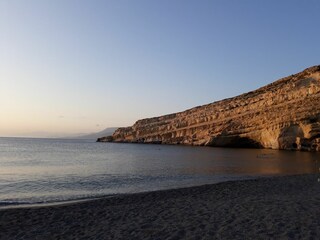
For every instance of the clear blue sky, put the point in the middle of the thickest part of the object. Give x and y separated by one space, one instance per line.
80 66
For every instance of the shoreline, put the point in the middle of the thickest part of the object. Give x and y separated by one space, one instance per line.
265 207
115 195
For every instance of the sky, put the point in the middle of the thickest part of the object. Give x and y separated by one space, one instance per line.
78 66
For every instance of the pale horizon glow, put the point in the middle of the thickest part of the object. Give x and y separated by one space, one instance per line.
72 67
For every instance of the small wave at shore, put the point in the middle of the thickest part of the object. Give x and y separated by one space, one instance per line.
67 198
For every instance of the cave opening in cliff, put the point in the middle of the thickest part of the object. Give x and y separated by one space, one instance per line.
243 142
234 142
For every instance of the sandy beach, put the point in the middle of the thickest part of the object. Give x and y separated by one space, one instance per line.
266 208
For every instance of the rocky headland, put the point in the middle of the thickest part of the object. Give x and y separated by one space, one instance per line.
282 115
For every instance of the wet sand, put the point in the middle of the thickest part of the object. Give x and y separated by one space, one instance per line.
266 208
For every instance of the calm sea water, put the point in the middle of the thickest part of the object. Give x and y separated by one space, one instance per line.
52 170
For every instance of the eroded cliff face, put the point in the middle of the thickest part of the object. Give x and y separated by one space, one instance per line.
282 115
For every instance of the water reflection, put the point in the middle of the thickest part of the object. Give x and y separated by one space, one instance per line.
250 161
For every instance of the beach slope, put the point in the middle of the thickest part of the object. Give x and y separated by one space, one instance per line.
266 208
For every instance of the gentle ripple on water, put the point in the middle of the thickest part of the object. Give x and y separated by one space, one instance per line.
50 170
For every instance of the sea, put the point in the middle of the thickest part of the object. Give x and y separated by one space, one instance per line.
44 171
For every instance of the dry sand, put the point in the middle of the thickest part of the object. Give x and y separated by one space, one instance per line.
267 208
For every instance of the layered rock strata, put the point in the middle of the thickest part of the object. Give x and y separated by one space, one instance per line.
282 115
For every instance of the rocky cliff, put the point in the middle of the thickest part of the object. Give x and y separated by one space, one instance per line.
282 115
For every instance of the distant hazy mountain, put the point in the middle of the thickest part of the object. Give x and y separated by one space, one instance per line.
103 133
